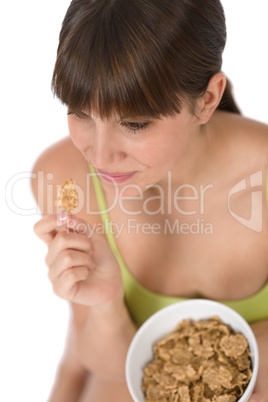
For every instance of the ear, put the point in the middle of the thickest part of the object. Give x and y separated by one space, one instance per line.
207 103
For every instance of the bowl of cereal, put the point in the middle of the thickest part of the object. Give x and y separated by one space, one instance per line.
193 350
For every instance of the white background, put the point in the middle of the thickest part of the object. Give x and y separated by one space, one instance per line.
33 320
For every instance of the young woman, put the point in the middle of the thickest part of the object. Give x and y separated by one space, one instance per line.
171 179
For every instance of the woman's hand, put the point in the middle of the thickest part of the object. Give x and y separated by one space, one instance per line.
82 267
260 330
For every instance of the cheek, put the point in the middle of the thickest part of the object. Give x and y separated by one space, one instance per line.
166 151
175 143
79 135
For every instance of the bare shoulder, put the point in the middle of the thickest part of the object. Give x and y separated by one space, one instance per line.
246 139
59 157
60 162
240 156
239 146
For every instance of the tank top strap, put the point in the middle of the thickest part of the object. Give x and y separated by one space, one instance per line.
105 215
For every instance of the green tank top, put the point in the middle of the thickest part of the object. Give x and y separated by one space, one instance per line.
142 302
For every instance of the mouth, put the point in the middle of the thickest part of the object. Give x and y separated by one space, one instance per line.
115 177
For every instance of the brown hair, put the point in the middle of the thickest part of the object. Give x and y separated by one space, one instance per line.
139 57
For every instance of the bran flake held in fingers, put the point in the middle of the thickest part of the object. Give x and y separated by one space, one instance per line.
67 199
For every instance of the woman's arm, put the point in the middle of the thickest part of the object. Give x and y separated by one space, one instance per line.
68 385
83 270
104 340
71 375
88 324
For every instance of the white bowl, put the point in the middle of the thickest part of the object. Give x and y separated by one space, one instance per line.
140 352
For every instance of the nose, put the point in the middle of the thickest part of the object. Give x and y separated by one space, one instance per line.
105 148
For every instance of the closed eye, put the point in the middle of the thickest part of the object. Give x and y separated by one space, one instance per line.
135 126
78 115
130 126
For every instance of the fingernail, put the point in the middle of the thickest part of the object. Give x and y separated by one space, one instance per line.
62 216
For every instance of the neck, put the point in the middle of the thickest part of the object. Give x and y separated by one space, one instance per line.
183 187
191 167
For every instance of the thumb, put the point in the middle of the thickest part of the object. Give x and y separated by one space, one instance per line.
75 224
96 232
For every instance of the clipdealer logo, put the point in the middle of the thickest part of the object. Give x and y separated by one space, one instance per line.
254 182
256 201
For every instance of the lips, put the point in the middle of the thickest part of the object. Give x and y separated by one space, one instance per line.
115 177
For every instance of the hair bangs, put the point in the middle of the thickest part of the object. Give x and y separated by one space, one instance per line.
99 68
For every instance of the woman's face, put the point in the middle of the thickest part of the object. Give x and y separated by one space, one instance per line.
136 152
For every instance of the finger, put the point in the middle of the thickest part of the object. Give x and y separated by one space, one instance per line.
67 240
77 225
66 284
68 259
48 227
